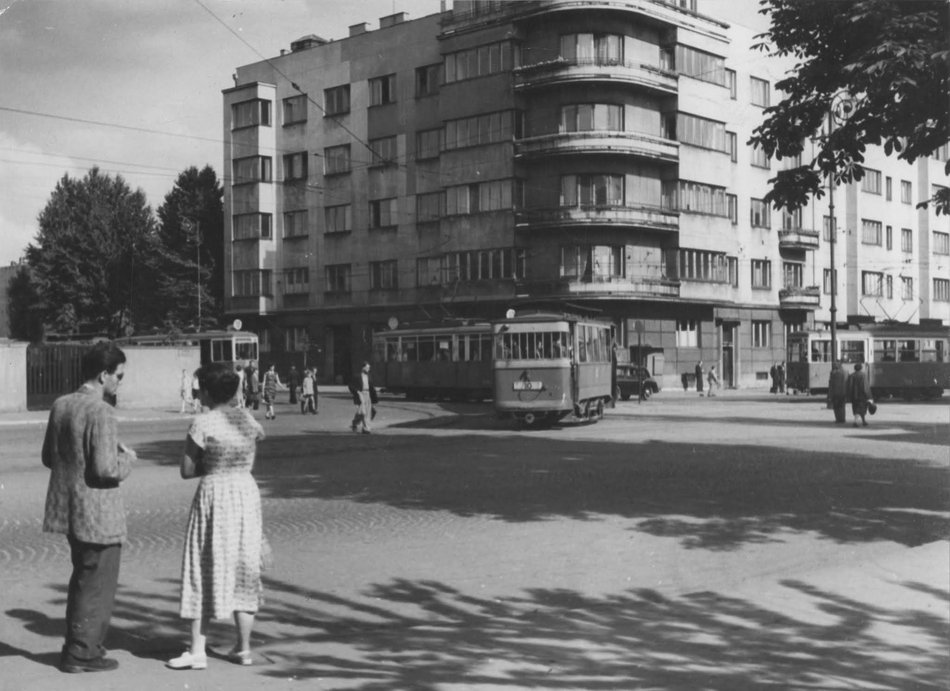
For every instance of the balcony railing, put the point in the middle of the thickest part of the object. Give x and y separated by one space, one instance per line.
599 142
604 285
648 217
563 70
800 297
798 239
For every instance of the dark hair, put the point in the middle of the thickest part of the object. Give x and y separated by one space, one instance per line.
857 367
219 380
105 356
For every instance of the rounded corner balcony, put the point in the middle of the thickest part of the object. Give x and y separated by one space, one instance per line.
800 298
600 287
798 239
633 217
590 70
599 142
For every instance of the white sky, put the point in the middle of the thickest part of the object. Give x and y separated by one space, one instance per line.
153 65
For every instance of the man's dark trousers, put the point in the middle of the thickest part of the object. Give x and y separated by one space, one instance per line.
91 597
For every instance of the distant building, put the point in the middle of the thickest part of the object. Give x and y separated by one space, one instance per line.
560 153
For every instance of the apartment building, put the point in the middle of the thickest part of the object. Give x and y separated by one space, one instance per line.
561 154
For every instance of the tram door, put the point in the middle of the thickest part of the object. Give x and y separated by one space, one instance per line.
728 355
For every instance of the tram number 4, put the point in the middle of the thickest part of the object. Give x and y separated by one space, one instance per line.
528 385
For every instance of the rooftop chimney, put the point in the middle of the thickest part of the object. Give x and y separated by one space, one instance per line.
308 41
357 29
392 20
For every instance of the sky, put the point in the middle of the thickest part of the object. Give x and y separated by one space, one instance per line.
134 87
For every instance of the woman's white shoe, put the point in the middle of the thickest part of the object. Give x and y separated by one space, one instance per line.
188 661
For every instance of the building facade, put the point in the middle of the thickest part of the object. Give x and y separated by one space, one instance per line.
563 154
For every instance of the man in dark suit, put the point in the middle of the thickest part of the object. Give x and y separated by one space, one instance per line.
87 462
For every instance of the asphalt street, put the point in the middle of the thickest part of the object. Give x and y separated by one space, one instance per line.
738 542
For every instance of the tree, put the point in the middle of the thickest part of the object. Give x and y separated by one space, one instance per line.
191 235
891 57
25 307
88 262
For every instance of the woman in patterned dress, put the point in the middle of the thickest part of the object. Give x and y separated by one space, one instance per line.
270 384
221 567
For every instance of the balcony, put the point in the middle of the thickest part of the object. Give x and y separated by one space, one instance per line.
599 142
800 298
642 217
563 71
798 239
606 286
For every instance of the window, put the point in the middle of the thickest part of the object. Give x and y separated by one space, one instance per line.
296 280
942 289
253 113
701 65
759 159
792 274
382 90
695 197
295 166
791 219
702 132
429 207
760 92
478 265
871 182
337 100
478 62
383 213
587 117
907 288
382 275
828 281
252 169
872 284
336 159
826 231
295 223
731 83
942 152
888 237
687 333
295 109
338 278
591 263
428 271
889 287
427 80
760 216
871 232
481 129
384 151
251 226
761 273
700 265
732 203
428 143
252 283
339 219
477 197
907 240
941 243
733 146
761 331
588 191
296 339
598 49
888 188
906 193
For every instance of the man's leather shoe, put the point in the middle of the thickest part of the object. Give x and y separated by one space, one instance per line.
72 665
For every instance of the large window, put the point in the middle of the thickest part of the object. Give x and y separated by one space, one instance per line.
871 232
383 213
761 334
907 288
253 226
872 283
761 273
428 143
586 117
339 218
382 90
942 290
592 190
760 92
295 223
296 280
481 129
336 159
295 166
792 274
906 192
941 243
871 182
295 109
252 283
697 198
828 280
701 65
475 265
429 207
592 263
384 151
252 169
701 265
296 339
702 132
478 62
427 80
338 278
383 275
337 100
253 113
600 49
760 214
478 197
759 157
791 219
687 333
907 240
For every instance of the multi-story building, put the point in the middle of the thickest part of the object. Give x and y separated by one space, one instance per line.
570 154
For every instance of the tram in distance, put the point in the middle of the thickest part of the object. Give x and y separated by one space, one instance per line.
449 360
548 366
229 347
909 361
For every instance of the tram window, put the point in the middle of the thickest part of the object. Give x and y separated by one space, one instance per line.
821 351
392 350
852 351
484 348
221 351
796 351
907 351
410 350
426 349
929 350
885 350
443 349
246 350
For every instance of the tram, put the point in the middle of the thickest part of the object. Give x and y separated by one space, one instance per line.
905 360
230 347
548 366
449 360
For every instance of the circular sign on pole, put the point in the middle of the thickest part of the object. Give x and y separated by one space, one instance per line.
392 323
237 324
639 327
510 314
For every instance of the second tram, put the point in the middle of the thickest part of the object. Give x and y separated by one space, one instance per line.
548 366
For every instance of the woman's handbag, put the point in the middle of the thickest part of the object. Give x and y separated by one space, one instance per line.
872 407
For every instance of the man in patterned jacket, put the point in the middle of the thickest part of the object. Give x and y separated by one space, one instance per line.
87 460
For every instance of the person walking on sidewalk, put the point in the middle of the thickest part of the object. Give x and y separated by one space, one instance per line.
269 386
252 386
293 381
838 392
88 463
224 539
713 380
365 398
859 393
699 377
307 401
